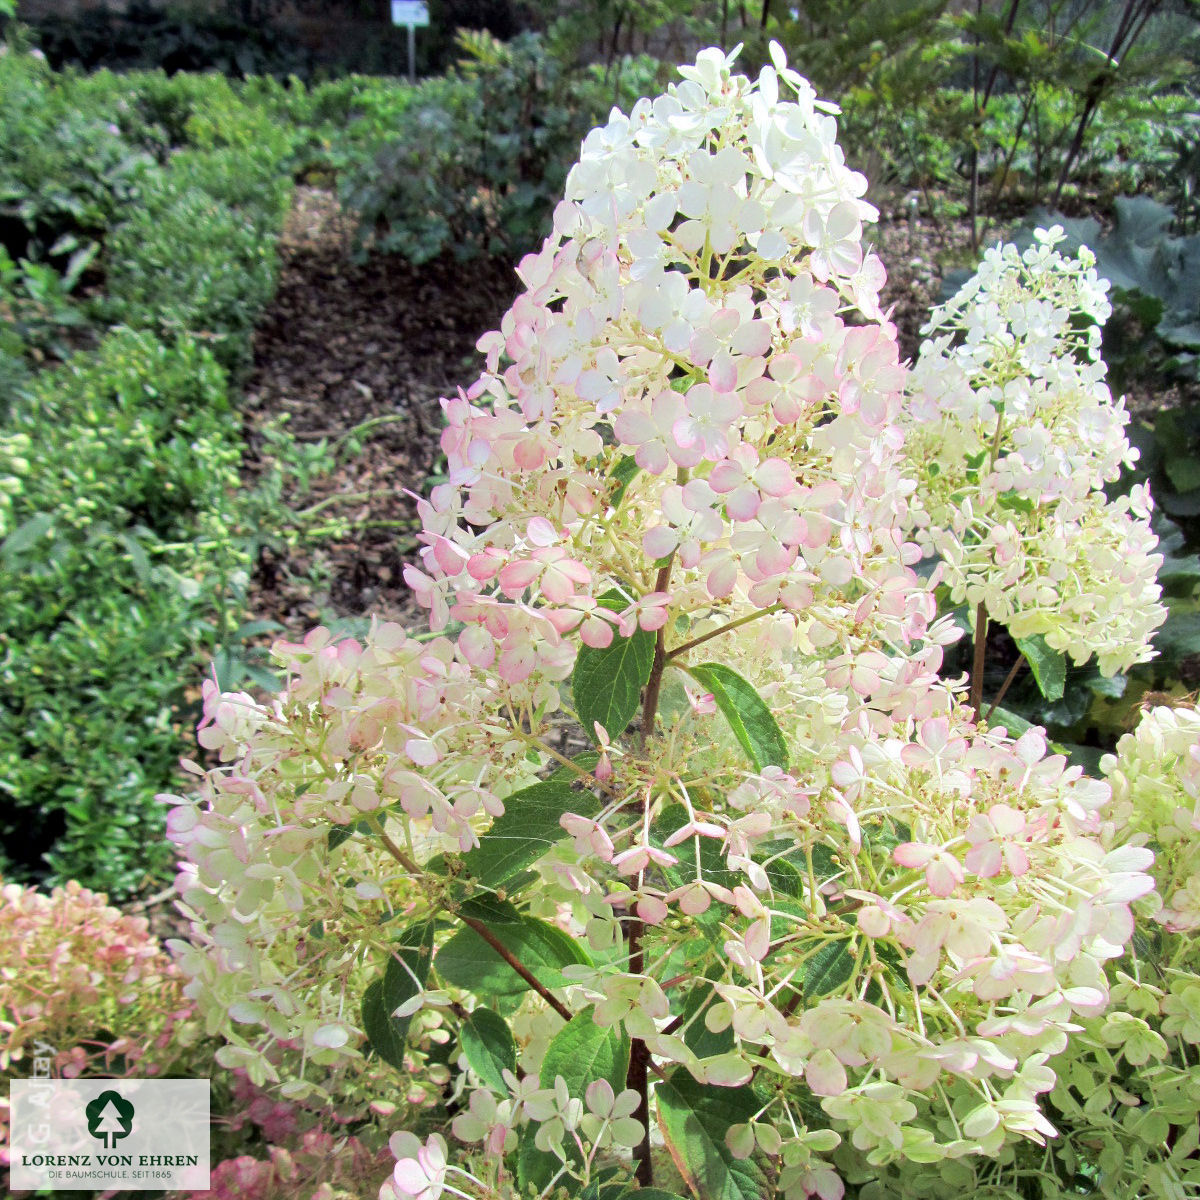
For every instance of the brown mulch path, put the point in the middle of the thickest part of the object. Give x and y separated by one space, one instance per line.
343 343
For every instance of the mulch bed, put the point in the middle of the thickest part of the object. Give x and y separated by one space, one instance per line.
343 343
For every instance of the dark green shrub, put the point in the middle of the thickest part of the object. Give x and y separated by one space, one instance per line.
477 157
37 313
137 433
116 474
64 172
188 262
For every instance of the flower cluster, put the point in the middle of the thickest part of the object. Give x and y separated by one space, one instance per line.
74 966
698 370
804 878
387 733
1014 433
1122 1092
318 1167
87 987
1155 777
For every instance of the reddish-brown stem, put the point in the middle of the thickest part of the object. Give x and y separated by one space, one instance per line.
516 964
637 1078
976 694
484 932
654 683
1012 674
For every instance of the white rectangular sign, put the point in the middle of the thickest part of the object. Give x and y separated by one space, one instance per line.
410 12
126 1135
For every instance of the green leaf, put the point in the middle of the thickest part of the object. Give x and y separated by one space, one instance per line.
1183 470
1179 636
1015 502
828 969
1049 667
528 828
698 1038
404 977
651 1193
608 683
535 1168
1015 724
488 1044
623 473
467 961
610 1184
342 833
137 556
587 760
747 714
694 1120
583 1052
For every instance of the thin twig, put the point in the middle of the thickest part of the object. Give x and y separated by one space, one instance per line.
726 628
1012 674
480 928
981 623
516 964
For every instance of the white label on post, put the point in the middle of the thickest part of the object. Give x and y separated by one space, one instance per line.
410 12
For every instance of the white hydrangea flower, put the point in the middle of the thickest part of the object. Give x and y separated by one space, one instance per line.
1013 434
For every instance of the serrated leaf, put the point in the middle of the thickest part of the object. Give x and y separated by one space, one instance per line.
488 1044
405 975
694 1120
527 829
467 961
828 969
1049 666
747 714
607 684
583 1052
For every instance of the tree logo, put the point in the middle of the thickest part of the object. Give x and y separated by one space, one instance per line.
109 1118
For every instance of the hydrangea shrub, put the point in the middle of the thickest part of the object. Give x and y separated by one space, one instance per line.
669 830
